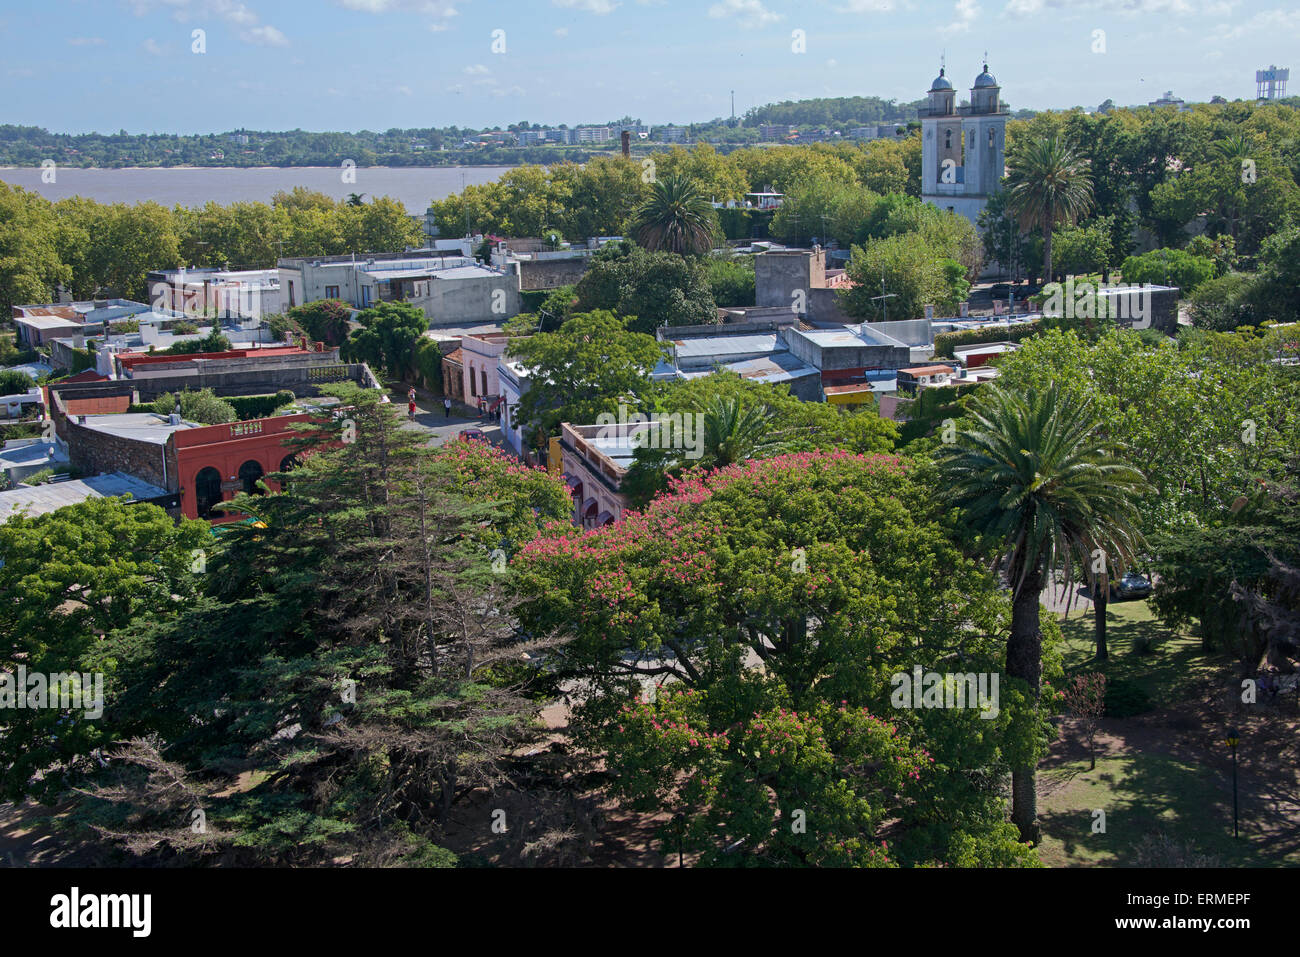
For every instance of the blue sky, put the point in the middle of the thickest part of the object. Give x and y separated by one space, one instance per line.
79 65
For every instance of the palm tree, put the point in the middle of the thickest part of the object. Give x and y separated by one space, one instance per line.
1048 184
1033 476
356 199
675 217
733 433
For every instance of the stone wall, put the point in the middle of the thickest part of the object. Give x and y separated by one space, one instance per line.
91 451
551 273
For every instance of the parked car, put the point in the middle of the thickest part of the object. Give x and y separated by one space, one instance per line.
1132 585
475 434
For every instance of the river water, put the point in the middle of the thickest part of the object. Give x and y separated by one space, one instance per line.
414 186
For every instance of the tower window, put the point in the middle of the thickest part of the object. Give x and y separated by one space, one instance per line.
947 140
992 135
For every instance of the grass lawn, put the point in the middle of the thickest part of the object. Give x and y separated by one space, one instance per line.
1150 779
1142 794
1168 672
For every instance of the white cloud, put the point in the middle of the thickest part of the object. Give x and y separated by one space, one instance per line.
561 31
598 7
751 13
965 12
86 41
478 69
1277 23
267 36
1026 7
230 11
868 6
440 8
152 47
403 90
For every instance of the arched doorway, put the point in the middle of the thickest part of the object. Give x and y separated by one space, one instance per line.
287 464
207 490
249 473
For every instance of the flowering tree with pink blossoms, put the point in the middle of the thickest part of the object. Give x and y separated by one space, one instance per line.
778 597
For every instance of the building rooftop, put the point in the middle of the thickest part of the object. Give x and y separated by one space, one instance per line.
780 366
847 336
704 347
41 499
34 452
47 321
139 426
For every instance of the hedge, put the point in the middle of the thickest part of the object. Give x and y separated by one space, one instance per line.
946 342
533 299
259 406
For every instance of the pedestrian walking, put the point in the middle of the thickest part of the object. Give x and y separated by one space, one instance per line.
410 410
446 407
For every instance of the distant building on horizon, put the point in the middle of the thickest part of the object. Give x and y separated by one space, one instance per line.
1270 84
1168 99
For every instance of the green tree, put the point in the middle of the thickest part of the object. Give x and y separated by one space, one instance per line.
675 218
387 337
356 655
732 282
649 289
14 381
1172 267
1048 184
71 578
30 263
910 270
830 569
590 365
325 320
1036 484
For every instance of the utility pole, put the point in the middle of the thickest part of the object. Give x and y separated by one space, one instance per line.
884 298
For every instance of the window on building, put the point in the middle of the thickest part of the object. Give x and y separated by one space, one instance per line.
365 296
992 135
291 302
249 474
947 140
331 292
207 490
473 385
483 373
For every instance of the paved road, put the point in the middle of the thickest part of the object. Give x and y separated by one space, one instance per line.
431 417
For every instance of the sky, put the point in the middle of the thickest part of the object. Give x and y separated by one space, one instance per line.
81 65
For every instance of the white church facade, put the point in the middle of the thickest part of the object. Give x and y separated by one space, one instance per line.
963 148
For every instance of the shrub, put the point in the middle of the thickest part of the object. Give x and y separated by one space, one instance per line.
13 382
202 406
946 342
1125 698
1174 267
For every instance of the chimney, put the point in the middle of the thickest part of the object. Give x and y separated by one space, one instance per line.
627 145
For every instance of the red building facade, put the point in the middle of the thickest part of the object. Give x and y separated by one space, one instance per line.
215 463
